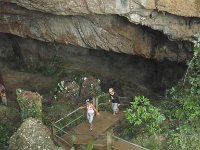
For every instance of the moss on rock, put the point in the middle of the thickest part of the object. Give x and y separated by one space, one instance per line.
30 104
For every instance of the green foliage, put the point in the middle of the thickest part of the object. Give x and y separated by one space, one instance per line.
30 104
152 142
184 137
5 133
186 106
78 87
60 109
186 96
142 112
89 146
104 104
9 121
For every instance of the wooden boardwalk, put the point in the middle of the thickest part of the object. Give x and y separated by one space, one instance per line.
100 124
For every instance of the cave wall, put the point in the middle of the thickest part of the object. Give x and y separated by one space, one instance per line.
179 19
132 75
104 30
160 30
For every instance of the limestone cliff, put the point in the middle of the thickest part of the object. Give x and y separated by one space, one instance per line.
107 24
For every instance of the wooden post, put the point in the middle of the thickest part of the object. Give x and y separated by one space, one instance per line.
97 104
94 101
53 129
109 140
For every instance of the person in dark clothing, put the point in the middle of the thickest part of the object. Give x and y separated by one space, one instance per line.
114 98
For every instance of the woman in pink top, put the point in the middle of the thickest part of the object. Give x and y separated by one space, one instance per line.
90 112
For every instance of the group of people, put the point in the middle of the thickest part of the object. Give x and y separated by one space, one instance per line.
91 109
3 95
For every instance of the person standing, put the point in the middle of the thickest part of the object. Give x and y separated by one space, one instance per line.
3 97
90 112
114 98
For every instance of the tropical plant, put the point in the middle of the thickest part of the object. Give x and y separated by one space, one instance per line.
186 111
142 112
30 104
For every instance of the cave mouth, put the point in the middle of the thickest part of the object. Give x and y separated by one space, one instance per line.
129 75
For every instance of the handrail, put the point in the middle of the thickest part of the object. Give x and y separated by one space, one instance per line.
118 138
100 104
68 114
72 121
76 134
123 97
63 140
61 130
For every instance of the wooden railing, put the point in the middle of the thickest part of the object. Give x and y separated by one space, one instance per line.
62 127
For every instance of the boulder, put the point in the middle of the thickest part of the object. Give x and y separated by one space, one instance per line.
32 135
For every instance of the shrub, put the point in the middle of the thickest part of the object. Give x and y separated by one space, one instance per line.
30 104
5 133
186 111
142 112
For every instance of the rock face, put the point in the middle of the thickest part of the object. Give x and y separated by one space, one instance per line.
137 72
97 24
189 8
32 134
111 33
132 75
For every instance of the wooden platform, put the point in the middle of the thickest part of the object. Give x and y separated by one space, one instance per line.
100 124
